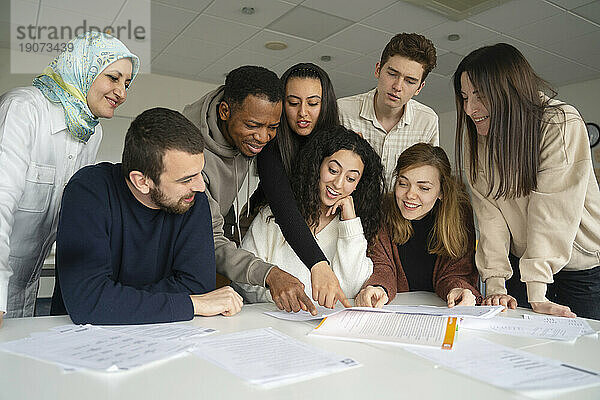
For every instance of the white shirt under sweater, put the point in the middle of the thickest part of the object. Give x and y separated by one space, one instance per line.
342 242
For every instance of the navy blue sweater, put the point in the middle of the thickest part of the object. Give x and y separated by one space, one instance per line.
120 262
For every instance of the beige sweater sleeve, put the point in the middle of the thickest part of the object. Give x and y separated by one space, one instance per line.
553 212
555 208
493 248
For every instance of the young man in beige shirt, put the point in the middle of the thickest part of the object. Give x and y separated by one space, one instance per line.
387 116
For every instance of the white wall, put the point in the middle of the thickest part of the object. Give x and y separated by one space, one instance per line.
584 96
147 91
448 132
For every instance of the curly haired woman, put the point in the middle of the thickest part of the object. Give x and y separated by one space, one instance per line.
337 179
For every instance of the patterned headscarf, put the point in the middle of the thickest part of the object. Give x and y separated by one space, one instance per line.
69 77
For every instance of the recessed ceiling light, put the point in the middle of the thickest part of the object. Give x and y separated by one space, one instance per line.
248 10
453 37
276 45
326 58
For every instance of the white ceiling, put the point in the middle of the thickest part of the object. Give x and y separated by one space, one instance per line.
203 39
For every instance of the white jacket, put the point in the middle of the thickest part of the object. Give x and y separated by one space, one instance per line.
342 242
38 156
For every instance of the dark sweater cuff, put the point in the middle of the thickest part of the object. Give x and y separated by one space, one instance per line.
311 262
182 308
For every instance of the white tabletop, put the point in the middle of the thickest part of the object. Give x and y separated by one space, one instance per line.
387 370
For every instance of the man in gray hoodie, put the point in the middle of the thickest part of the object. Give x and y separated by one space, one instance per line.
237 120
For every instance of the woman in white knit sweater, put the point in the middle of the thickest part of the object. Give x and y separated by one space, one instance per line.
338 184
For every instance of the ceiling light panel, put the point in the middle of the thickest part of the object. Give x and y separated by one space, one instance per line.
265 11
309 24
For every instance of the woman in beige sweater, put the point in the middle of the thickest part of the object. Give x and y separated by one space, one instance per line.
537 201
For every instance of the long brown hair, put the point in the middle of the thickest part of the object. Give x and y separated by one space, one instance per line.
287 140
449 236
512 94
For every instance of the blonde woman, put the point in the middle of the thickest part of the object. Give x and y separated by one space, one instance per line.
427 240
338 178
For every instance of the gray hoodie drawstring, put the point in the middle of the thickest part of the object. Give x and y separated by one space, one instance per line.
236 210
248 188
237 203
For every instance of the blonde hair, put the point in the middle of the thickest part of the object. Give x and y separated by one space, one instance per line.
449 236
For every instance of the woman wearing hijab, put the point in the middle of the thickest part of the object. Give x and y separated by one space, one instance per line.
47 132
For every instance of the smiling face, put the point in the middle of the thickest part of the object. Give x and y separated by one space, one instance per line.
251 125
474 106
339 175
417 190
179 182
109 89
398 80
303 104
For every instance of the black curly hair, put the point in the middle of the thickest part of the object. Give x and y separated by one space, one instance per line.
251 80
368 193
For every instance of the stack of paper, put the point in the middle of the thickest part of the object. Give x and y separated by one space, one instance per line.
509 368
582 324
458 311
301 315
269 358
105 349
535 328
178 332
376 325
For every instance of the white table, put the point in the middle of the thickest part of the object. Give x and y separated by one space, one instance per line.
388 371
